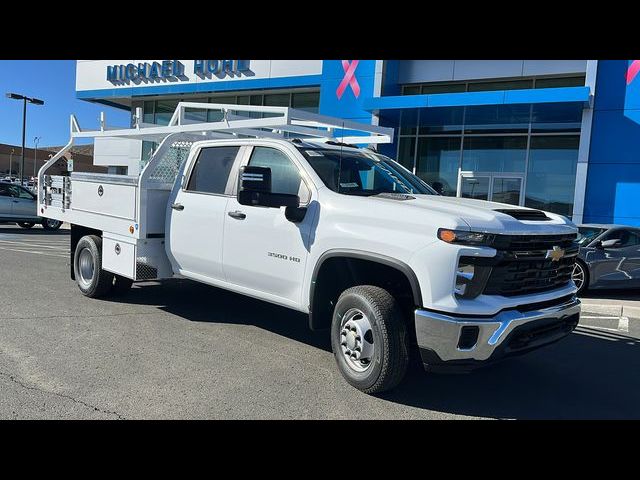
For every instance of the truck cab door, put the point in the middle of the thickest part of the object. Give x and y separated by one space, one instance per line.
196 213
263 251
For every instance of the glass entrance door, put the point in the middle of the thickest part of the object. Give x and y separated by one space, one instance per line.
495 187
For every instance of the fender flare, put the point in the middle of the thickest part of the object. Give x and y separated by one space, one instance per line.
364 255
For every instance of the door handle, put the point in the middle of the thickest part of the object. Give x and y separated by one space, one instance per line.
177 206
15 201
237 214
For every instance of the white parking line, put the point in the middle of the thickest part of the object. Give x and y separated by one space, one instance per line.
38 245
599 317
34 252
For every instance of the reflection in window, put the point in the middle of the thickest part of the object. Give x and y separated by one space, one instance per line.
438 160
285 177
441 120
494 154
406 152
552 173
475 187
566 117
164 111
497 119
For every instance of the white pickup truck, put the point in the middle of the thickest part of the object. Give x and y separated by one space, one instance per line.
273 203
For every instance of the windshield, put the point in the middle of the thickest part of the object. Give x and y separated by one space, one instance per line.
363 173
588 234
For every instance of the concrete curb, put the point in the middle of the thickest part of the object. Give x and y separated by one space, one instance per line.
619 310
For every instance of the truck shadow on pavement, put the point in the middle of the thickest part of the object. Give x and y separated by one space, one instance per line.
592 374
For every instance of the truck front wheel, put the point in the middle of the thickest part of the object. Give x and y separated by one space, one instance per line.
369 339
92 280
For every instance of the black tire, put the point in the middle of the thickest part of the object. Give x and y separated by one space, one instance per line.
26 225
100 282
585 284
390 359
121 284
51 224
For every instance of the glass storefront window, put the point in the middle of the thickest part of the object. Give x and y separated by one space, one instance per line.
438 161
411 90
475 187
494 154
444 88
500 85
215 115
560 82
409 121
197 115
164 111
148 111
552 173
497 118
441 120
556 117
308 101
406 152
277 100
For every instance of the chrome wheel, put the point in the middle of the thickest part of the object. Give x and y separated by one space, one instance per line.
86 268
52 224
356 340
578 275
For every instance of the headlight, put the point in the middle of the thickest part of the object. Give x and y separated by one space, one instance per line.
463 237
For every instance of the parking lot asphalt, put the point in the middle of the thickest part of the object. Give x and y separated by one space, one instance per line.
182 350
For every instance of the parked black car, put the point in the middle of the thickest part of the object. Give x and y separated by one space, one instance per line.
609 257
19 205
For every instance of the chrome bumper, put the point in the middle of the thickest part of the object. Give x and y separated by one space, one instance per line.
440 333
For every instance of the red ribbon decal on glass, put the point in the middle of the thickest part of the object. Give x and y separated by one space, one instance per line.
349 78
633 70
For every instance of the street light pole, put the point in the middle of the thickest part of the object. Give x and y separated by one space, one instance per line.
24 128
24 99
36 140
11 161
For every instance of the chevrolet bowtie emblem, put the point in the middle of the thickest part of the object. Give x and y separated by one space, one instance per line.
555 254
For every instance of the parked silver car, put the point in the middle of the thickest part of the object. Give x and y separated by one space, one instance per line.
18 205
609 257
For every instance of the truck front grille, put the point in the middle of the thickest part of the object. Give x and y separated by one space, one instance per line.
513 276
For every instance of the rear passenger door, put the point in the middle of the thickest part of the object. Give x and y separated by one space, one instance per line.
196 213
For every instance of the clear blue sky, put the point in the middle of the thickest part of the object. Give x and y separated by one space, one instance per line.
53 81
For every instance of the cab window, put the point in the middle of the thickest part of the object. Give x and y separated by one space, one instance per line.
285 176
211 170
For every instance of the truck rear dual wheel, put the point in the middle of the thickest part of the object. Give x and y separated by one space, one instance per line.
369 339
92 280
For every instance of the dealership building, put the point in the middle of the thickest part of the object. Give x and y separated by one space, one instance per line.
559 135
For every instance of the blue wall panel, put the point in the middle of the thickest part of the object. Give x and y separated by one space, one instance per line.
613 182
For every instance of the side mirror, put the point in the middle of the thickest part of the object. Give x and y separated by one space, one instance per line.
254 189
614 242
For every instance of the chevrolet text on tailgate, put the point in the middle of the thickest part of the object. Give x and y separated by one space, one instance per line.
277 204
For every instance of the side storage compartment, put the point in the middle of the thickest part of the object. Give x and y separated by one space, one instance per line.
119 256
143 259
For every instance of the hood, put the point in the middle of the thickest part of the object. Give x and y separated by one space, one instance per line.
480 215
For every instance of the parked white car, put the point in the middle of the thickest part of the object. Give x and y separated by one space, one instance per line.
369 251
19 205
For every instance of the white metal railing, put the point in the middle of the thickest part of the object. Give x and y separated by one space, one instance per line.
281 122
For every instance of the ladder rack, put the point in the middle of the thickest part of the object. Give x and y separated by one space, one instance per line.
272 122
